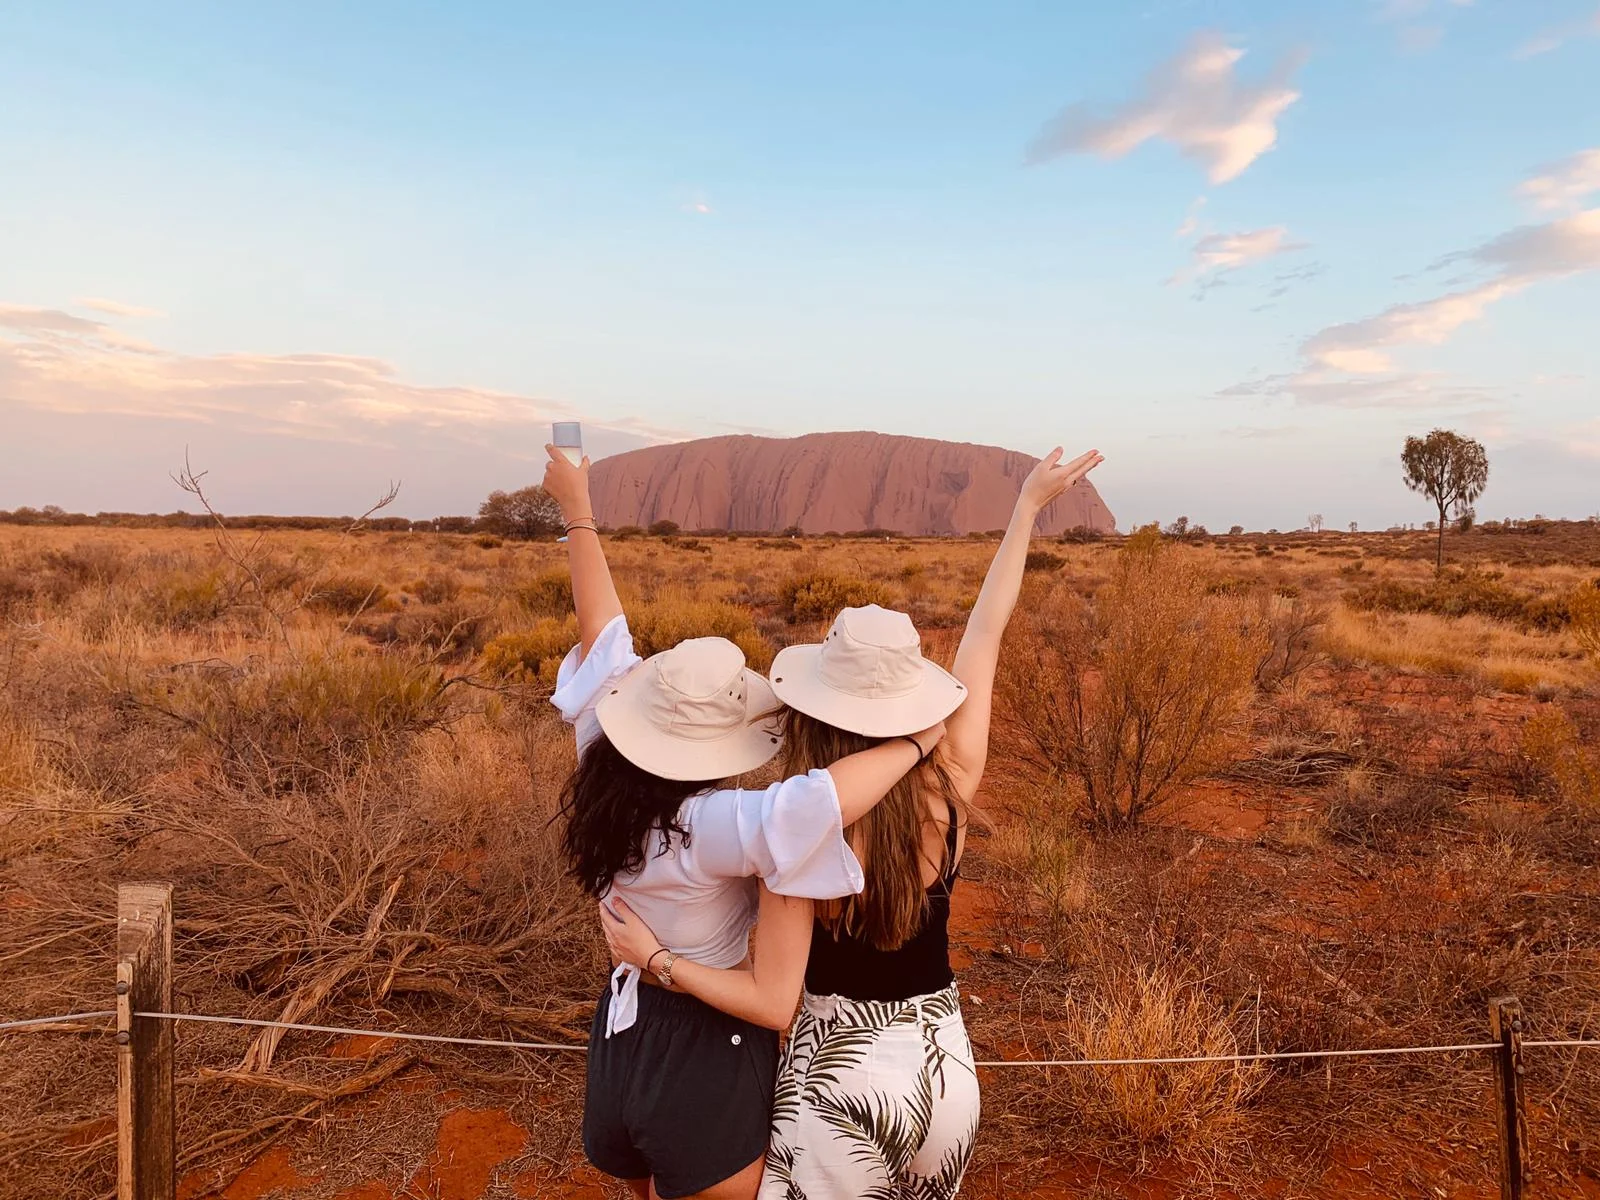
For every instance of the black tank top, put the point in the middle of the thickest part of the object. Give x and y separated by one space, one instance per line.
846 966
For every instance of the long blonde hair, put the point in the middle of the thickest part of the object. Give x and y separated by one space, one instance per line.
888 839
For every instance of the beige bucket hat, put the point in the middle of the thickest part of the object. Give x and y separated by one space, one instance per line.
868 676
692 712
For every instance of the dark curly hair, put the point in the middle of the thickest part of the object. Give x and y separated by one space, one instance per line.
612 807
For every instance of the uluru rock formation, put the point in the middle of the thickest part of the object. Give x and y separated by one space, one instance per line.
829 481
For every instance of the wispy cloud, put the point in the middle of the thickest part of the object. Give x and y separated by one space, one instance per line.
1191 218
1362 347
1418 27
59 362
117 308
1556 36
1353 363
1564 184
1218 253
1193 101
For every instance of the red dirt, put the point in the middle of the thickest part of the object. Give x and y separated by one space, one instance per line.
475 1145
272 1173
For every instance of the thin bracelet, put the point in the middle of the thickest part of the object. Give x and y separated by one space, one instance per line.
579 524
921 753
652 958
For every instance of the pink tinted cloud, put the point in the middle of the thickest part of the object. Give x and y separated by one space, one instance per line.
58 362
116 308
1352 363
1218 253
1193 101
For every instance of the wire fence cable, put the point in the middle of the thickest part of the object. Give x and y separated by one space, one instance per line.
508 1044
31 1022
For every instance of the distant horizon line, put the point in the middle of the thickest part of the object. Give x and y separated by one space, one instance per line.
52 515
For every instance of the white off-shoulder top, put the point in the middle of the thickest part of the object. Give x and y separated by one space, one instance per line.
699 895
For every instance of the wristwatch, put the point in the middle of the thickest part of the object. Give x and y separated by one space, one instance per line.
664 972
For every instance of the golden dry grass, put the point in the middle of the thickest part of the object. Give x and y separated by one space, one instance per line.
338 746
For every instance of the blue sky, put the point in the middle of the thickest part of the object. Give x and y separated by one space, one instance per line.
1241 247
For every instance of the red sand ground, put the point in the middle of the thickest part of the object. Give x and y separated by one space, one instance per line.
472 1144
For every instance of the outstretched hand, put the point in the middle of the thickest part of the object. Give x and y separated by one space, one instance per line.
568 485
626 933
1050 477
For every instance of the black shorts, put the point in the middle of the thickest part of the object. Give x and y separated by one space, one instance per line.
683 1097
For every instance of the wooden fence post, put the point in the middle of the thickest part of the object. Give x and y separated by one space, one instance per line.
1505 1027
146 1139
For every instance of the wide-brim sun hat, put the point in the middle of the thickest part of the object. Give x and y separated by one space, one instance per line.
867 676
694 712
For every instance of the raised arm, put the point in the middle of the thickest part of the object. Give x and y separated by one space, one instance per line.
764 993
966 744
864 778
594 596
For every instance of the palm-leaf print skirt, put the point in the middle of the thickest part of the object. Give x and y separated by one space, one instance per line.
876 1100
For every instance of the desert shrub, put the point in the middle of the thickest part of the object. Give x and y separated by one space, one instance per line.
436 587
448 628
346 595
306 720
819 595
626 533
663 529
670 619
54 576
1156 1012
547 595
1043 560
184 598
1583 607
1374 807
786 544
1457 592
16 589
1133 694
488 541
532 654
1042 869
1560 757
88 563
39 804
1290 629
1081 535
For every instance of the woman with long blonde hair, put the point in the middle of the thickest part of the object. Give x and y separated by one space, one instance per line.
876 1091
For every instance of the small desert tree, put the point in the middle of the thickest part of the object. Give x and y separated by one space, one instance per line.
526 513
1134 694
1449 469
1314 522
